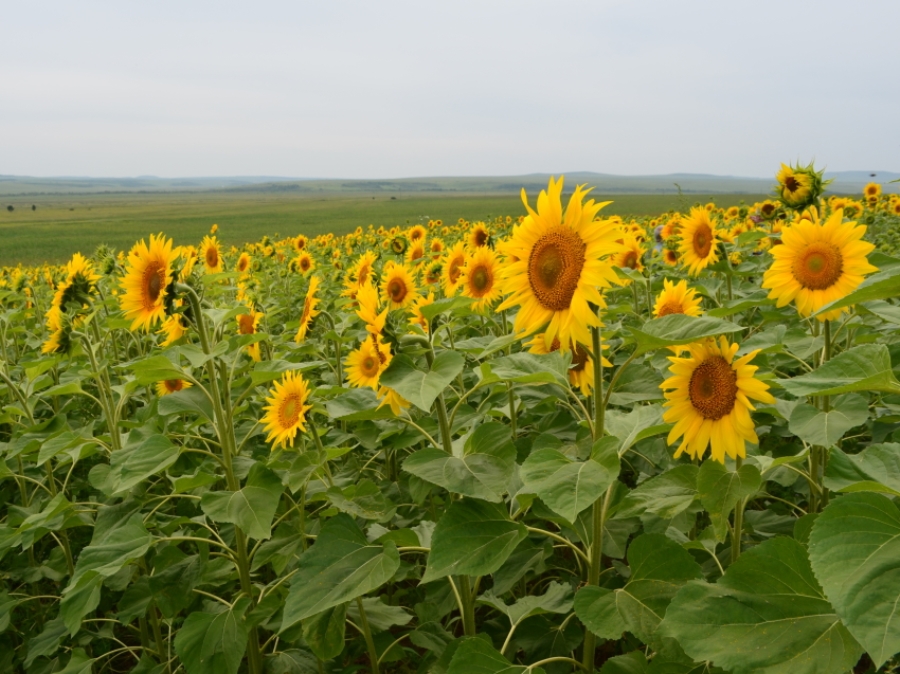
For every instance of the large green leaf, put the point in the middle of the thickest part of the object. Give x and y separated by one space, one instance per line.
79 663
766 615
854 548
477 656
862 368
341 566
557 598
324 632
363 499
79 599
531 368
881 286
129 466
421 387
664 495
876 468
642 422
482 471
817 427
112 548
595 606
252 507
472 538
720 490
677 329
565 485
213 643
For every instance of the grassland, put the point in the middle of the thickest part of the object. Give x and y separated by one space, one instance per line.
63 224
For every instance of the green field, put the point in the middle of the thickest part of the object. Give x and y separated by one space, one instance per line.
64 224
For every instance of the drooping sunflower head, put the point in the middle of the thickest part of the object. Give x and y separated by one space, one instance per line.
79 284
708 400
818 263
365 364
454 261
211 253
398 287
146 281
286 409
480 278
677 298
309 310
433 272
699 241
560 266
169 386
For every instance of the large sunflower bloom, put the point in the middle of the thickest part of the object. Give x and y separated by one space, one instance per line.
286 409
365 364
309 310
398 288
676 298
699 241
556 266
708 400
818 263
211 252
146 278
479 278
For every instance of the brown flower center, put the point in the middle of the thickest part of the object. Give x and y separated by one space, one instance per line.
670 307
173 385
481 281
791 184
154 280
397 290
713 388
212 257
455 269
579 359
245 324
370 366
702 240
554 267
629 260
289 413
818 266
481 237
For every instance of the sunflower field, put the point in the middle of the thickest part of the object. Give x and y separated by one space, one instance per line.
546 443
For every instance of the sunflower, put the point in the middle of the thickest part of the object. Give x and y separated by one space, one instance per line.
418 318
670 257
79 284
581 371
167 386
479 236
454 262
189 255
416 233
433 272
480 278
708 399
300 243
243 263
214 229
436 248
173 329
309 310
369 302
795 187
247 325
398 245
362 268
388 396
699 241
416 252
631 257
676 298
559 266
872 191
398 288
286 409
144 286
211 252
818 263
305 262
365 364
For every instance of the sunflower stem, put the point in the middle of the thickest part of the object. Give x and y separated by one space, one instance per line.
441 408
367 633
467 600
738 527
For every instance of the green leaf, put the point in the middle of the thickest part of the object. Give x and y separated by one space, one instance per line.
359 404
472 538
881 286
419 387
483 471
190 401
664 495
823 429
291 661
340 566
677 329
381 616
854 548
477 656
79 599
862 368
79 663
156 368
557 598
324 632
129 467
766 615
630 663
47 642
172 587
876 468
252 508
213 643
596 607
565 485
362 499
757 299
112 548
720 490
445 304
644 421
531 368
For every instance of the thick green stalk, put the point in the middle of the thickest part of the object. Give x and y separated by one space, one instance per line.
738 529
367 633
468 606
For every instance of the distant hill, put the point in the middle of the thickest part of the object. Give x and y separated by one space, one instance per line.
850 182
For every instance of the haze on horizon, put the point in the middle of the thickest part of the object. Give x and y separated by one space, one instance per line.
400 88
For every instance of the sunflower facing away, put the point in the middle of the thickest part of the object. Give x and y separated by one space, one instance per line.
366 363
368 302
699 241
172 329
708 399
144 285
676 298
211 253
309 310
479 278
559 266
286 409
167 386
818 263
398 288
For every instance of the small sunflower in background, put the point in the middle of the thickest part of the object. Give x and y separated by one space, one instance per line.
144 285
300 243
872 191
305 262
398 245
454 261
243 263
708 400
818 263
480 278
677 298
417 233
211 253
670 256
398 287
309 309
365 364
169 386
631 257
247 325
416 252
699 241
479 236
286 409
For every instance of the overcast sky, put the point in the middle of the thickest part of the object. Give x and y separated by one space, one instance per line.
488 87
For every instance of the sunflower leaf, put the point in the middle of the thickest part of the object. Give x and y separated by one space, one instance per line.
876 468
881 286
862 368
252 507
823 429
677 329
720 490
567 486
419 387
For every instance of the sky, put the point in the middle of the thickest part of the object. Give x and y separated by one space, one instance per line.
490 87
